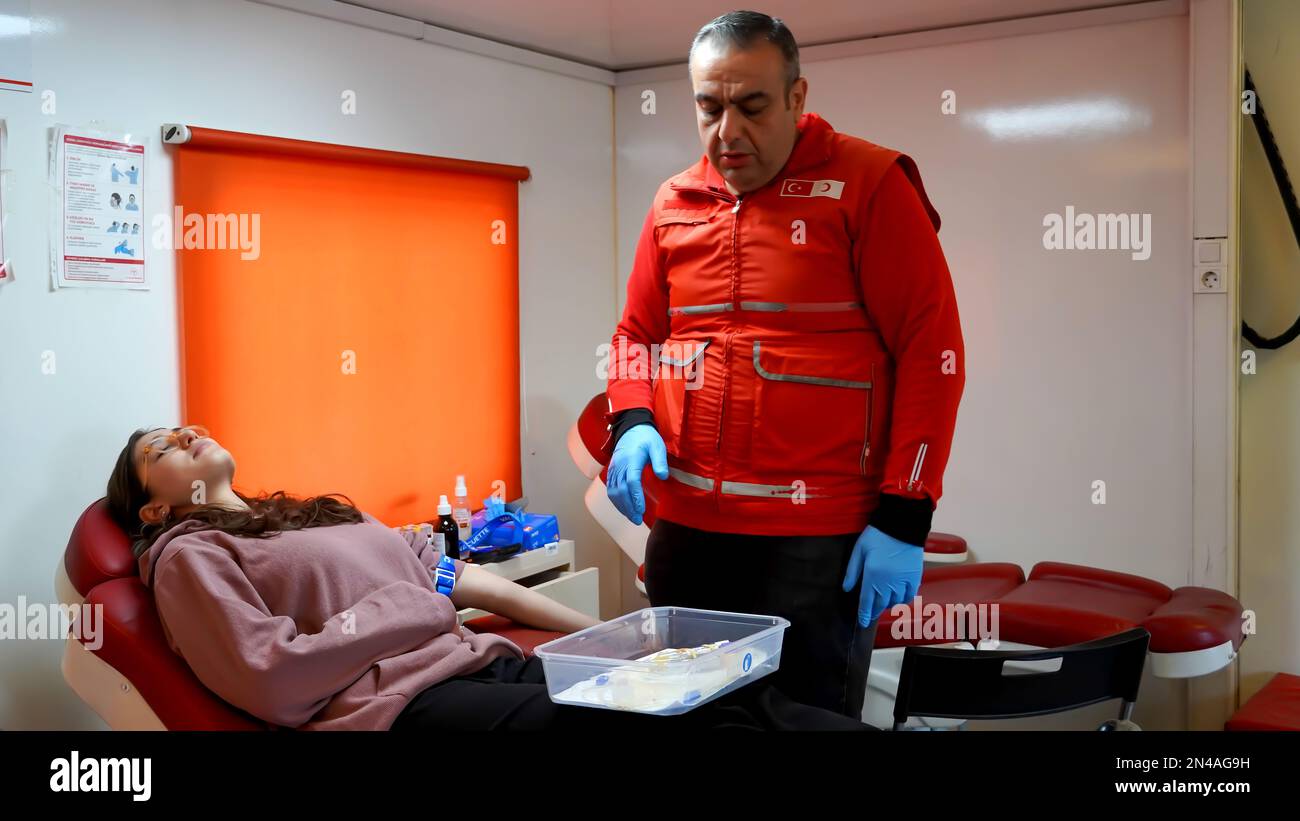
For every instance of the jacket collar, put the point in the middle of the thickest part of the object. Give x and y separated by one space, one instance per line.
812 147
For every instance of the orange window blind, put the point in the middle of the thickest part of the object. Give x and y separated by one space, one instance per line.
362 337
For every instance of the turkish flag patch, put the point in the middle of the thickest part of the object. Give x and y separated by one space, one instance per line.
812 188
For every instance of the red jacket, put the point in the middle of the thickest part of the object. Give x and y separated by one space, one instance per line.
808 353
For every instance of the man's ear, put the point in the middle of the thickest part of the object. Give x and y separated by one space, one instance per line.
154 512
798 95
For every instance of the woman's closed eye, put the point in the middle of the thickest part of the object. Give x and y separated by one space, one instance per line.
158 449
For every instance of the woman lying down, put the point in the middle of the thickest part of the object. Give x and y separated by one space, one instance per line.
311 614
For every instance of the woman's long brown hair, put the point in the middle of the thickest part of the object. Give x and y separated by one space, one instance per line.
271 513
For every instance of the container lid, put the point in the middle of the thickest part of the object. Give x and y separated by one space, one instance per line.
444 507
461 490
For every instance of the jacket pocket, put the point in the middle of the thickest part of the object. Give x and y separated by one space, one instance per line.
691 217
678 373
813 408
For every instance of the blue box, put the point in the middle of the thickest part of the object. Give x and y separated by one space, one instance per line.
530 530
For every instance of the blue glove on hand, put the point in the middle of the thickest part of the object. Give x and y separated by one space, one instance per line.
638 445
890 572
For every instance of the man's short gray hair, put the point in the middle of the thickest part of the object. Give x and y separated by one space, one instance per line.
742 29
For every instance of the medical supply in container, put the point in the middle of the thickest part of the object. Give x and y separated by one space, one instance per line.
662 660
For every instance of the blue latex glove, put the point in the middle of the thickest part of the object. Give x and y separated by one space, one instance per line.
890 572
639 445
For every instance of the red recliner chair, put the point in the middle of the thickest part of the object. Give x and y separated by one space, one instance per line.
132 679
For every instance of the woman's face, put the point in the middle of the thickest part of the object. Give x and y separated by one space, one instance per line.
179 472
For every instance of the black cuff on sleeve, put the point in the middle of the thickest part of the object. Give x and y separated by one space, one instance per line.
627 419
907 520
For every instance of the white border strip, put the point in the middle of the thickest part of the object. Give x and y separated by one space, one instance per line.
419 30
951 34
1192 663
357 16
516 55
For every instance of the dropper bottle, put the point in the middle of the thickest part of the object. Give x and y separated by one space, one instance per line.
447 532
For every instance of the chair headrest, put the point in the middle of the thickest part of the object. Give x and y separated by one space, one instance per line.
591 426
98 550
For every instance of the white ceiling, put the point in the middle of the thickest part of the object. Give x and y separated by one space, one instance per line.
625 34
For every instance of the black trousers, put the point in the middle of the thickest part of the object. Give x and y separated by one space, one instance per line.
510 694
825 654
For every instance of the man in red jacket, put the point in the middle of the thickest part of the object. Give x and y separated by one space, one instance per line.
789 365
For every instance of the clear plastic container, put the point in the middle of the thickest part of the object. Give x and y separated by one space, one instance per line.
605 666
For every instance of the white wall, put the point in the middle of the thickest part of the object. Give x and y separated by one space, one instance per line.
1270 398
1078 363
229 64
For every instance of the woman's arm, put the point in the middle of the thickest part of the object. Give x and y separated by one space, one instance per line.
486 590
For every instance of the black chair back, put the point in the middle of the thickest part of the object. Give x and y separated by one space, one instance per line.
946 682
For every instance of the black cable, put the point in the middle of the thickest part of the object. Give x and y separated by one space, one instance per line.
1284 187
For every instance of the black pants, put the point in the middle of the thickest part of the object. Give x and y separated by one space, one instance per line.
510 694
825 653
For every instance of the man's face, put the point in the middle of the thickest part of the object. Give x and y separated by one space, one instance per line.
745 125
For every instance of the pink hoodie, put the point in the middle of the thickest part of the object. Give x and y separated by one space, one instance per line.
328 628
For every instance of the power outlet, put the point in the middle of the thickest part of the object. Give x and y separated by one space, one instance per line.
1210 269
